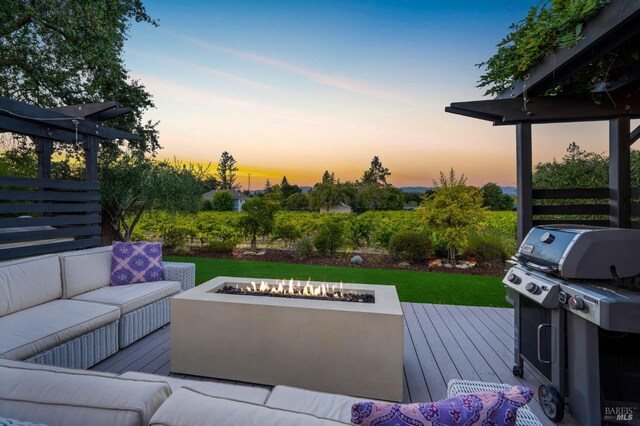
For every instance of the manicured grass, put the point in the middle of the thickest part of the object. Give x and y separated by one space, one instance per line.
412 286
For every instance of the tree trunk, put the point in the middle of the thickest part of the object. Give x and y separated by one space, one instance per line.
254 242
108 234
452 255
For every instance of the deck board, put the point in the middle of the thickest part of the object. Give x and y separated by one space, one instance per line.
441 342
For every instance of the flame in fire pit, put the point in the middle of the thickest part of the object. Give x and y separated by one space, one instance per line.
296 290
289 288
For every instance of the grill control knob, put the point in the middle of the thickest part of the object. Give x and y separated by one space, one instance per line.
577 303
547 238
513 278
533 288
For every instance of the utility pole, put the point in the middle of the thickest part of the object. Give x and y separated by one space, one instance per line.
249 183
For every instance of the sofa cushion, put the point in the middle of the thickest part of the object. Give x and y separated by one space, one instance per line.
70 398
187 407
29 282
224 390
22 365
320 404
138 262
41 327
133 296
85 270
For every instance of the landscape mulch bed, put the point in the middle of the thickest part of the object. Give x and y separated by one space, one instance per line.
369 260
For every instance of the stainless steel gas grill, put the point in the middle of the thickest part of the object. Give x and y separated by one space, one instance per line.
577 320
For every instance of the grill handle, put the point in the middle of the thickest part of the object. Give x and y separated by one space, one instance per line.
540 327
535 266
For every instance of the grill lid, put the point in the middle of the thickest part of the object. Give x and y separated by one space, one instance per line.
589 253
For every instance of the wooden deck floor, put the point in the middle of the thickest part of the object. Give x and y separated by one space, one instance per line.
442 342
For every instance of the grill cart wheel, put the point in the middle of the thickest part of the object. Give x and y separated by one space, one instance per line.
551 402
518 371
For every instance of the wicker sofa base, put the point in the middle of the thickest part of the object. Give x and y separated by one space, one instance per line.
82 352
143 321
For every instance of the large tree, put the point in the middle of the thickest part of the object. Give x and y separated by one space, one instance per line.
495 199
62 52
227 172
376 174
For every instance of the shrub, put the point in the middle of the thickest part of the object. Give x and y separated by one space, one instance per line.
174 236
287 232
303 248
356 260
222 201
410 246
490 245
330 238
218 246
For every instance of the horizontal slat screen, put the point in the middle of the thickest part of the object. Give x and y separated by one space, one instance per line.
576 209
537 222
47 207
53 216
570 193
81 231
78 185
49 196
33 250
50 221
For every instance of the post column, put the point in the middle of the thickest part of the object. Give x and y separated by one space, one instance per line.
620 172
524 179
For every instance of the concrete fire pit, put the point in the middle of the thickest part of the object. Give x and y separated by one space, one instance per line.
333 346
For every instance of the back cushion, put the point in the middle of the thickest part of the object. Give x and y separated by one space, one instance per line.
29 282
85 270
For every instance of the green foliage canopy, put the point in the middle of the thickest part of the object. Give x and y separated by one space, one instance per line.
59 52
133 185
259 218
494 198
222 201
547 27
454 211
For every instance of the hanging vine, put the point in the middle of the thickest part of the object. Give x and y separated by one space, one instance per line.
550 25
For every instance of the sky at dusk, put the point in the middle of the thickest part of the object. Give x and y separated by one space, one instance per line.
298 87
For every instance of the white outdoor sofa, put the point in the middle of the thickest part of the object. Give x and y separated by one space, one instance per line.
59 309
59 396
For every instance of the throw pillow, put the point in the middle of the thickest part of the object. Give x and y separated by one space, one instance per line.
133 263
479 408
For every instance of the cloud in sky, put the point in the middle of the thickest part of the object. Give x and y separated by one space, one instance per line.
329 80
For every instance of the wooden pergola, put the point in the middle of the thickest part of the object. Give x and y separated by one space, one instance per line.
43 215
525 104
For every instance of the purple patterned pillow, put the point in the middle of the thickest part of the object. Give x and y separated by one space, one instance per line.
486 408
133 263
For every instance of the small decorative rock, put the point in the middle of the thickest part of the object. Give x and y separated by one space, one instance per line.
356 260
404 264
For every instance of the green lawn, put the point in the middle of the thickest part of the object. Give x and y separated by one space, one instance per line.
420 287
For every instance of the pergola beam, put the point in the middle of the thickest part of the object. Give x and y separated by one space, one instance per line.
54 119
613 26
635 135
17 125
549 109
85 110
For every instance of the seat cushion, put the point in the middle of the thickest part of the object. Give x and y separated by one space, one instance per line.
187 407
29 282
72 398
36 329
85 270
320 404
224 390
133 296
